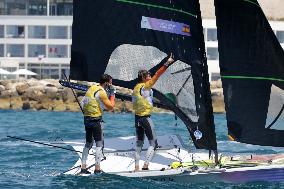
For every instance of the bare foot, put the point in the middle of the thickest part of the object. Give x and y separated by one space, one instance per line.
145 167
97 167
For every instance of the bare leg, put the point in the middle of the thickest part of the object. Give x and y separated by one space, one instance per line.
216 157
99 155
85 154
138 154
149 156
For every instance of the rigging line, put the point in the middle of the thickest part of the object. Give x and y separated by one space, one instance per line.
45 144
181 71
249 77
157 6
249 1
71 169
277 117
183 84
74 93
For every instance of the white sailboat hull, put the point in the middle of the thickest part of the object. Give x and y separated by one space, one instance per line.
119 160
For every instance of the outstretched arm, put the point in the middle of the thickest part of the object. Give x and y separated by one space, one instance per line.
109 104
149 84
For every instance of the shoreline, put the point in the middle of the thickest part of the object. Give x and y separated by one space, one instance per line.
49 95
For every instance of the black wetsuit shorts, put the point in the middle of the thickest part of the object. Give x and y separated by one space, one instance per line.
94 130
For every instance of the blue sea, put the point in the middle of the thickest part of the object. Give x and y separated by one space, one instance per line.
28 165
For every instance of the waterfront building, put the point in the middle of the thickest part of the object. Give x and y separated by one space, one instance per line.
37 35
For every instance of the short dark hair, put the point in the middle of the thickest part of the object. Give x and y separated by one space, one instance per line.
105 78
143 74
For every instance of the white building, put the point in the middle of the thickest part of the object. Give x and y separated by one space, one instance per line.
36 35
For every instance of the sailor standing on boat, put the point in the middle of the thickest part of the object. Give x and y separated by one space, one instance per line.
142 99
95 99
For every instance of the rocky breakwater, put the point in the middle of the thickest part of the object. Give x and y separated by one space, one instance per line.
46 95
217 96
49 95
36 95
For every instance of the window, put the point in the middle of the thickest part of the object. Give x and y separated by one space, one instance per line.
15 31
61 8
212 53
204 34
280 36
1 31
37 32
45 73
54 73
1 50
211 34
2 8
16 7
22 65
70 32
37 7
57 51
15 50
36 50
57 32
35 68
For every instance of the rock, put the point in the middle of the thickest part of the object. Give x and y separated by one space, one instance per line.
73 107
217 92
34 93
67 95
22 88
39 107
33 104
218 104
219 83
58 105
16 103
2 88
52 93
9 93
4 103
47 105
213 84
5 82
9 86
33 82
49 83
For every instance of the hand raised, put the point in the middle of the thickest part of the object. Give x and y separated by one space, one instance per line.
170 60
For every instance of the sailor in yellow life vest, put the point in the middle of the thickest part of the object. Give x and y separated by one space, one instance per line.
142 98
95 100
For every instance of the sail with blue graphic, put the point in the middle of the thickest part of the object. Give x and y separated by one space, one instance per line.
121 37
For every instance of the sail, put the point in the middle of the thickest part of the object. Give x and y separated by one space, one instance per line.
252 71
120 37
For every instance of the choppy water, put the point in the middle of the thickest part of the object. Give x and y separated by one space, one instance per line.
28 165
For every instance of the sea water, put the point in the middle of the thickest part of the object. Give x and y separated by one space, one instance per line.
29 165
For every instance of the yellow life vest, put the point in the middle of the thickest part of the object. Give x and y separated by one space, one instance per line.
93 107
142 100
